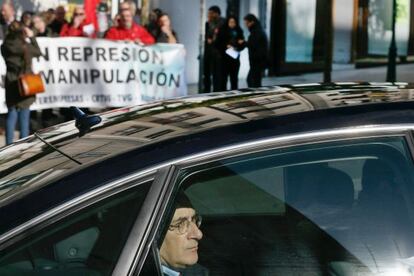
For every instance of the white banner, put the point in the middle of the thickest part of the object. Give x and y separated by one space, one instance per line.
101 73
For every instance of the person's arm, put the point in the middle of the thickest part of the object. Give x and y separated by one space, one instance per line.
34 48
221 42
262 48
241 43
64 30
170 34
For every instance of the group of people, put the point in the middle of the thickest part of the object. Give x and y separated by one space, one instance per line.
20 46
125 25
224 41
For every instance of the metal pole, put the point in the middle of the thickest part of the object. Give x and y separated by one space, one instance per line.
114 8
327 72
145 10
201 45
392 53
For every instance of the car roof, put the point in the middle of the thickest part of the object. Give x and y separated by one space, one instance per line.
133 138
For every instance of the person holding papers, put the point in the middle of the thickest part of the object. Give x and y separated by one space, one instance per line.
79 25
230 41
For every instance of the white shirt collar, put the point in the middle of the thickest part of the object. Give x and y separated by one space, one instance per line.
168 271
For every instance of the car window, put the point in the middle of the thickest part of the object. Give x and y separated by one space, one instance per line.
342 208
88 242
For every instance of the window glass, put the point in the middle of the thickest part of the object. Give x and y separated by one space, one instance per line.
300 30
342 208
85 243
380 26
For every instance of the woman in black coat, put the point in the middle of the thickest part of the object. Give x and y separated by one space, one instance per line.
230 41
18 49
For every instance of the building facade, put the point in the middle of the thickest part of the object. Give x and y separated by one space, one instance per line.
297 30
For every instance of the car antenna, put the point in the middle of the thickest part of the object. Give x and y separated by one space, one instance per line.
56 149
84 122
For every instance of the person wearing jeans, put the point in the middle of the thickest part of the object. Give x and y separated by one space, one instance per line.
13 114
18 49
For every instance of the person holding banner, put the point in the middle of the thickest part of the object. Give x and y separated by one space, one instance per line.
129 30
18 49
165 32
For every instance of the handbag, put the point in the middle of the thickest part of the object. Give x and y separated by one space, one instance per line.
31 84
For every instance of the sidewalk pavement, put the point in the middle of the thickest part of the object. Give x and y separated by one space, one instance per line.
340 73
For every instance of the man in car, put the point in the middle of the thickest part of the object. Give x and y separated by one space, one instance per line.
179 248
129 30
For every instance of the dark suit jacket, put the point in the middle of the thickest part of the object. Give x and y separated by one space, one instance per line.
257 44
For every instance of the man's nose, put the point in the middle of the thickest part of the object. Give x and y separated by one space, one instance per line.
195 232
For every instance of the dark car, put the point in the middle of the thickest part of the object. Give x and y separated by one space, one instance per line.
293 180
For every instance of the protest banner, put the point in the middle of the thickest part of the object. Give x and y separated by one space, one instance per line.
100 73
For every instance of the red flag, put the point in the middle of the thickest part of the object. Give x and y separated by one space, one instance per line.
90 10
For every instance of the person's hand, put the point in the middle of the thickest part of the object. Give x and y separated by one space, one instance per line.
27 32
209 40
166 30
77 21
240 41
138 41
88 30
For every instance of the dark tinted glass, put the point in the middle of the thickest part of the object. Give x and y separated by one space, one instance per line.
342 208
85 243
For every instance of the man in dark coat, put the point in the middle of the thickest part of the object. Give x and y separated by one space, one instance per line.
257 45
57 23
213 59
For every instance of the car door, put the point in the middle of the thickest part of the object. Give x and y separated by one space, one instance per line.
337 202
86 235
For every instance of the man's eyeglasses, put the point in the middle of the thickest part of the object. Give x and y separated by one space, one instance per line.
183 225
76 14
